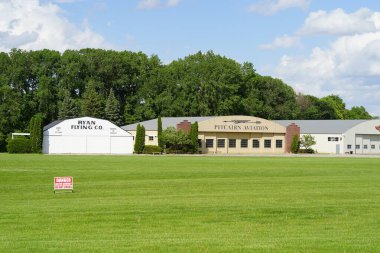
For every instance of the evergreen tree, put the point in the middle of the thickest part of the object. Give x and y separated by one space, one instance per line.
142 141
137 139
32 125
194 136
112 111
159 133
35 128
92 104
295 144
68 108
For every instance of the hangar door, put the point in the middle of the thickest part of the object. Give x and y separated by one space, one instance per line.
121 145
56 144
88 145
367 144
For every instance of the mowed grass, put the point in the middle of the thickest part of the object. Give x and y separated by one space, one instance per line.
190 204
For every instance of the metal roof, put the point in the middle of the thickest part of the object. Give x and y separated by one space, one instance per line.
151 125
52 124
322 126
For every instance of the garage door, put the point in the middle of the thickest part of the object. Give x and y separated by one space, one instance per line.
367 144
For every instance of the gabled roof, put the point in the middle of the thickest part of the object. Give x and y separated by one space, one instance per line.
151 125
322 126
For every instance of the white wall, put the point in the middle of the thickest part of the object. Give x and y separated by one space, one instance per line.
87 136
324 146
364 134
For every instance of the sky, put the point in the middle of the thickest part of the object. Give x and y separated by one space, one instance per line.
319 47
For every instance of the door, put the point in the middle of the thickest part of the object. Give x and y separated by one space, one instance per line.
337 149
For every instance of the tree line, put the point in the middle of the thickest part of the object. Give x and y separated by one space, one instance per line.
126 87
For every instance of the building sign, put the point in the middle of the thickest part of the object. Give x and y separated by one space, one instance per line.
241 125
63 183
86 125
377 128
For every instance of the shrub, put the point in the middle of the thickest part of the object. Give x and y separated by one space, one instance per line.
150 149
19 146
306 151
295 144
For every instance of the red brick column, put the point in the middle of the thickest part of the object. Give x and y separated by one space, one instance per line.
184 126
291 130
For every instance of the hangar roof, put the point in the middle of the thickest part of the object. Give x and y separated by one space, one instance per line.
322 126
151 125
307 126
52 124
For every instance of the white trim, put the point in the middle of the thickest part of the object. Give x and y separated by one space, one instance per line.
20 134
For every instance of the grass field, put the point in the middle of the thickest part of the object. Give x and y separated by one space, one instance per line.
190 204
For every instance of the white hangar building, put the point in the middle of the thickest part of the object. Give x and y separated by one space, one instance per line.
86 135
341 136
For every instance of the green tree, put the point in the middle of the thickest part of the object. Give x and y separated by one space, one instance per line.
92 103
68 108
159 133
314 108
194 136
295 144
358 112
307 141
176 141
139 139
142 142
112 110
337 104
35 128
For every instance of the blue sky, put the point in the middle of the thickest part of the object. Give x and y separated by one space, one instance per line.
319 47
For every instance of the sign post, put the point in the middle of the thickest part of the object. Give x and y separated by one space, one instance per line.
63 183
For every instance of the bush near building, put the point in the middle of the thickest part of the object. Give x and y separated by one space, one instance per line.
19 145
150 149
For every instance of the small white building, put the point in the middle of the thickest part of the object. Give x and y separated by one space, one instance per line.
341 136
86 135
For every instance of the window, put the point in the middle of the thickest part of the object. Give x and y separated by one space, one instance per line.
365 146
267 143
232 143
199 143
221 143
372 146
349 146
151 138
256 143
278 143
333 138
209 143
357 146
244 143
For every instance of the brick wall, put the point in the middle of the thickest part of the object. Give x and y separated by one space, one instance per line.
291 130
184 126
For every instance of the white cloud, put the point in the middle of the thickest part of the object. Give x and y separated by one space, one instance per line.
154 4
65 1
270 7
31 25
172 3
338 22
285 41
349 66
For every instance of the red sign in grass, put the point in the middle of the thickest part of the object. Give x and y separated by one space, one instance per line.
63 183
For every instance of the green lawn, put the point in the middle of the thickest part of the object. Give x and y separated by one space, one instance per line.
190 204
